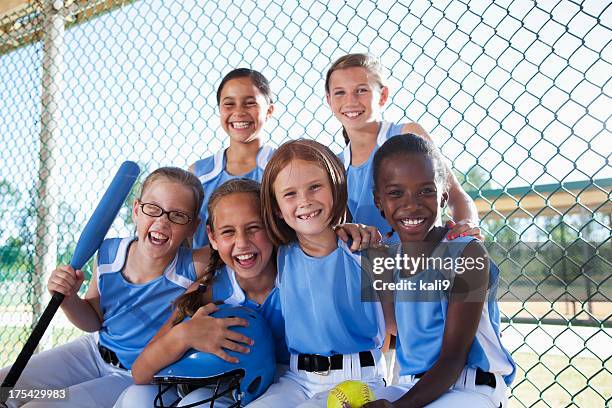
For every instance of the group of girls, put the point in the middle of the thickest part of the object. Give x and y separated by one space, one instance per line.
278 248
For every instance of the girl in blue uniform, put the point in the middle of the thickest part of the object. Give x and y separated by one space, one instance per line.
448 342
245 105
356 94
129 297
331 334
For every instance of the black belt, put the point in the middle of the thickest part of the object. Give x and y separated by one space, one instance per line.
110 357
482 378
317 364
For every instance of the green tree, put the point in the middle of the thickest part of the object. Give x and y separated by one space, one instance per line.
475 180
9 199
16 250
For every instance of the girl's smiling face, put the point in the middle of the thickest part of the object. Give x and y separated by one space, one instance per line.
305 198
243 109
240 236
159 236
355 97
409 196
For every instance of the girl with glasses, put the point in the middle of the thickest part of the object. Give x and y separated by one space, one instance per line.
129 297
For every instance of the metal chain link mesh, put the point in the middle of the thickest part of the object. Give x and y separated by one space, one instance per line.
516 93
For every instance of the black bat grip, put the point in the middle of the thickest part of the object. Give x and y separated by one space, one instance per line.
30 346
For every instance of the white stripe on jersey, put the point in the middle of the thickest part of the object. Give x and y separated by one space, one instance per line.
491 345
172 276
238 297
119 258
217 167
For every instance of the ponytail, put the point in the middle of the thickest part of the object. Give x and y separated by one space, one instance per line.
345 136
188 303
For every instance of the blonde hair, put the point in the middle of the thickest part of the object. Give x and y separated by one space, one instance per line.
309 151
357 60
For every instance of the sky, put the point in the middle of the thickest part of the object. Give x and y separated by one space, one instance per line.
521 91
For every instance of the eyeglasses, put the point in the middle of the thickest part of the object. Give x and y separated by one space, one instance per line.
154 210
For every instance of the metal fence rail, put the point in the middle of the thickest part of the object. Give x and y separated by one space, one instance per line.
516 92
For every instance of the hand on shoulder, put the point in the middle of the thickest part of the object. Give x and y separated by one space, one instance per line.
362 236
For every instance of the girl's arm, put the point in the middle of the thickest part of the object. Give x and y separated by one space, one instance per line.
202 332
83 313
167 346
464 311
416 129
461 205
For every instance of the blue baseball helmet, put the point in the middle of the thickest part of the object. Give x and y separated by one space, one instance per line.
243 381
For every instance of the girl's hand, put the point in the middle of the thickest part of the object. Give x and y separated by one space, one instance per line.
464 228
213 335
363 236
65 280
382 403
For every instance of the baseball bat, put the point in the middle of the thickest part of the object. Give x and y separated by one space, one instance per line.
90 240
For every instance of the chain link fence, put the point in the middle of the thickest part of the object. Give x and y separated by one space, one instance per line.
517 93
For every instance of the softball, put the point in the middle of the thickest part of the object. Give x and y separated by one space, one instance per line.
354 393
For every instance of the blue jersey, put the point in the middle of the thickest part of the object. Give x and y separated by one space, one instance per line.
211 172
133 313
420 324
225 288
360 181
322 306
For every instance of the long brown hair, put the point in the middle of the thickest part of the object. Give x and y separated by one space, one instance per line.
309 151
188 303
358 60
